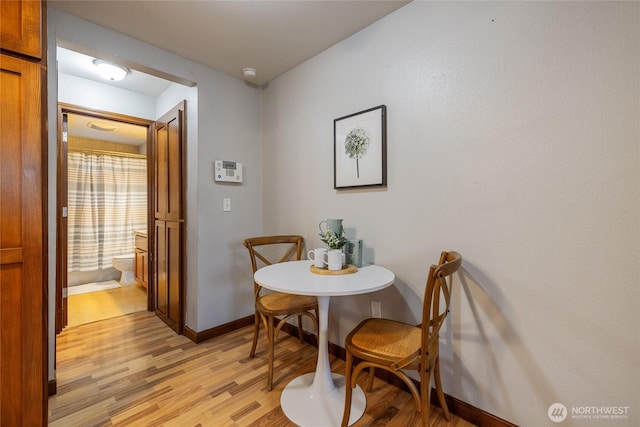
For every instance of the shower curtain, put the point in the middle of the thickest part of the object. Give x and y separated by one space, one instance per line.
107 202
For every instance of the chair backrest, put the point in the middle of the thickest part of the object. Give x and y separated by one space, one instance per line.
437 297
267 250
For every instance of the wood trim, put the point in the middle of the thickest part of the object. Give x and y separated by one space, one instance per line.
61 191
101 114
11 256
198 337
52 387
61 226
112 153
472 414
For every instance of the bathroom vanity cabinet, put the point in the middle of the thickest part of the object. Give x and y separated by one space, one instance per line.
142 264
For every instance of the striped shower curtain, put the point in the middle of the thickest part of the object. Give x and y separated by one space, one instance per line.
107 202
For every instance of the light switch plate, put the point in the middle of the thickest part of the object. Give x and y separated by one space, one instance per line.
376 309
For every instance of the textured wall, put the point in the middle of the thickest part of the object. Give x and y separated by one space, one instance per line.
513 137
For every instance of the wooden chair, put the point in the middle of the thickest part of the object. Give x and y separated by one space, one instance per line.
396 346
277 305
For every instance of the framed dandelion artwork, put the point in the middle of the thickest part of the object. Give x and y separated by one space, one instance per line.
360 149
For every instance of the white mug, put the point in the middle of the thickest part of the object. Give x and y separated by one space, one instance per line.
316 256
333 259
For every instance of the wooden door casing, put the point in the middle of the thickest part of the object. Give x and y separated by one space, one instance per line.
61 243
62 202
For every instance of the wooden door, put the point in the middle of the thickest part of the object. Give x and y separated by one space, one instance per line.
169 248
23 309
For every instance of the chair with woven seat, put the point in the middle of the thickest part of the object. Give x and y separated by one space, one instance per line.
396 346
279 306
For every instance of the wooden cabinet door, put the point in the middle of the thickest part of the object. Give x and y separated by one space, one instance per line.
22 294
139 263
145 269
20 27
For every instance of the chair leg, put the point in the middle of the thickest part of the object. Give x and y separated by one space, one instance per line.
370 378
439 391
425 395
256 331
348 370
271 335
300 336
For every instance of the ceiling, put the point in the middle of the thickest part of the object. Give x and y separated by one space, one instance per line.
271 36
80 65
80 126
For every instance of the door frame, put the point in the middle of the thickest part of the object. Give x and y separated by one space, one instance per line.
61 203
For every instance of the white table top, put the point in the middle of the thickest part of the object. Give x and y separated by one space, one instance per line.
295 277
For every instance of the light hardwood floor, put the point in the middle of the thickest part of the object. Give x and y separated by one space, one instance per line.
94 306
133 370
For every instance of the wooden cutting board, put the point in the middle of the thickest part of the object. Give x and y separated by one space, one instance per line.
348 269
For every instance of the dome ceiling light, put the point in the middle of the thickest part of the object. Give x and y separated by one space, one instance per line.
110 71
102 128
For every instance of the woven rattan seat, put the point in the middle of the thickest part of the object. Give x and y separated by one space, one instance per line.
387 338
273 309
396 346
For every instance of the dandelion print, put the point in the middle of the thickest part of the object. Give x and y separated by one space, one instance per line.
356 144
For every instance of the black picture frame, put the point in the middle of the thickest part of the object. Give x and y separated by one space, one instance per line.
360 149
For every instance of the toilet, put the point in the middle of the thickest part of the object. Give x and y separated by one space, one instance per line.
125 264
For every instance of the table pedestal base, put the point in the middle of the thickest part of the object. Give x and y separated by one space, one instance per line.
307 408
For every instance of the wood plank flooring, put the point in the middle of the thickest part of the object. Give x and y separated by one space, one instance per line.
94 306
134 371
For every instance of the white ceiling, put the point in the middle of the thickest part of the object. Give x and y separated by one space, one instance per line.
106 130
272 36
81 65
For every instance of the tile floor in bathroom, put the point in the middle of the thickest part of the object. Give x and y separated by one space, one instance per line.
94 306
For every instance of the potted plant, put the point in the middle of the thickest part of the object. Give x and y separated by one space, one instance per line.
333 240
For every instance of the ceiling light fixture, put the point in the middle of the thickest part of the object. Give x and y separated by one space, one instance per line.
110 71
102 128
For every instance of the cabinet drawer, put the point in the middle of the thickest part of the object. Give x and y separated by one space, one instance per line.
141 242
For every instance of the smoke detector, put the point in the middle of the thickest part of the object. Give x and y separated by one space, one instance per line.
249 73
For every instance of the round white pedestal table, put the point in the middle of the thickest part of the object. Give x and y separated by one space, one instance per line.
316 399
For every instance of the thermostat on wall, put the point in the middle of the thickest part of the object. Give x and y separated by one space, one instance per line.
226 171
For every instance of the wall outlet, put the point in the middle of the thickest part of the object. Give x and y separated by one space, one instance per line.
376 309
226 205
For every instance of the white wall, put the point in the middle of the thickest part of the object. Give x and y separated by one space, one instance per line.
513 138
223 121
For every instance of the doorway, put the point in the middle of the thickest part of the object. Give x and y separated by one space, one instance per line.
164 247
82 91
103 178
